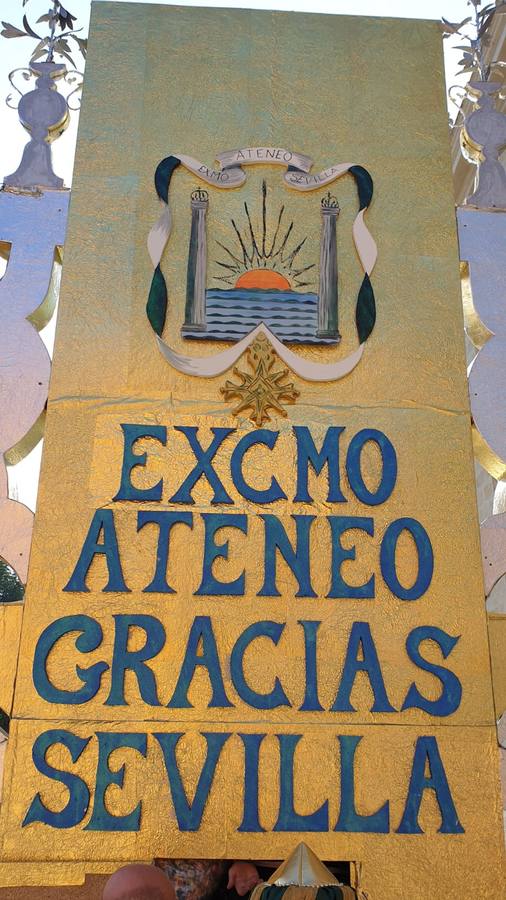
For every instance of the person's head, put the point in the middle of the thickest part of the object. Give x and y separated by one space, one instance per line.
137 882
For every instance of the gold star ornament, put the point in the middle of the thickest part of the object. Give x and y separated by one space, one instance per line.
262 389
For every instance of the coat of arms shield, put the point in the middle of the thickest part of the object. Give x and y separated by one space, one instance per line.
259 275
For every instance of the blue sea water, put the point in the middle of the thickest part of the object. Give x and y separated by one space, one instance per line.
290 315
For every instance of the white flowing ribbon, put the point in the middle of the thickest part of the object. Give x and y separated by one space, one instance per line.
222 178
364 243
211 366
159 235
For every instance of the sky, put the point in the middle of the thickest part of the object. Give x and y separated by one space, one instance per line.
23 478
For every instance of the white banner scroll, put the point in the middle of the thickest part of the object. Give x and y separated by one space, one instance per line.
302 181
222 178
229 174
273 156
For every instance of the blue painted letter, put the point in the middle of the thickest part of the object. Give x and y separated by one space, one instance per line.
339 525
276 697
354 467
298 560
101 818
329 454
349 819
90 637
250 818
267 495
427 753
75 809
425 558
203 467
288 818
311 701
124 659
189 815
131 460
102 519
209 584
165 521
201 630
450 698
361 639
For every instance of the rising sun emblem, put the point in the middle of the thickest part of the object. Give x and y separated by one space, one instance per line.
259 264
260 274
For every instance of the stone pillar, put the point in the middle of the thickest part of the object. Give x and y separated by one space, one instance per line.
195 309
328 295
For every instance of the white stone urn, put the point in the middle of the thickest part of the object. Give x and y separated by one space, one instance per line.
45 114
483 137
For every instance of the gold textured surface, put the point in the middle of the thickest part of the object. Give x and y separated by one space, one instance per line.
452 596
23 886
10 629
162 80
497 636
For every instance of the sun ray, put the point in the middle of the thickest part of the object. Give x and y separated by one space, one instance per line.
227 266
280 216
257 256
264 216
301 271
280 249
254 244
247 258
229 252
289 260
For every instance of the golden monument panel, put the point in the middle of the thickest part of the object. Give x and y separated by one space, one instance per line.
254 611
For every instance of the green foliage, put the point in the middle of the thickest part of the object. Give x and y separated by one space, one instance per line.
60 25
475 36
11 589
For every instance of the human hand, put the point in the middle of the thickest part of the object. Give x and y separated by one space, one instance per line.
242 876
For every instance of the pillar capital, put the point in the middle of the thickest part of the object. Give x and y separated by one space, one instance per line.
330 205
199 199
